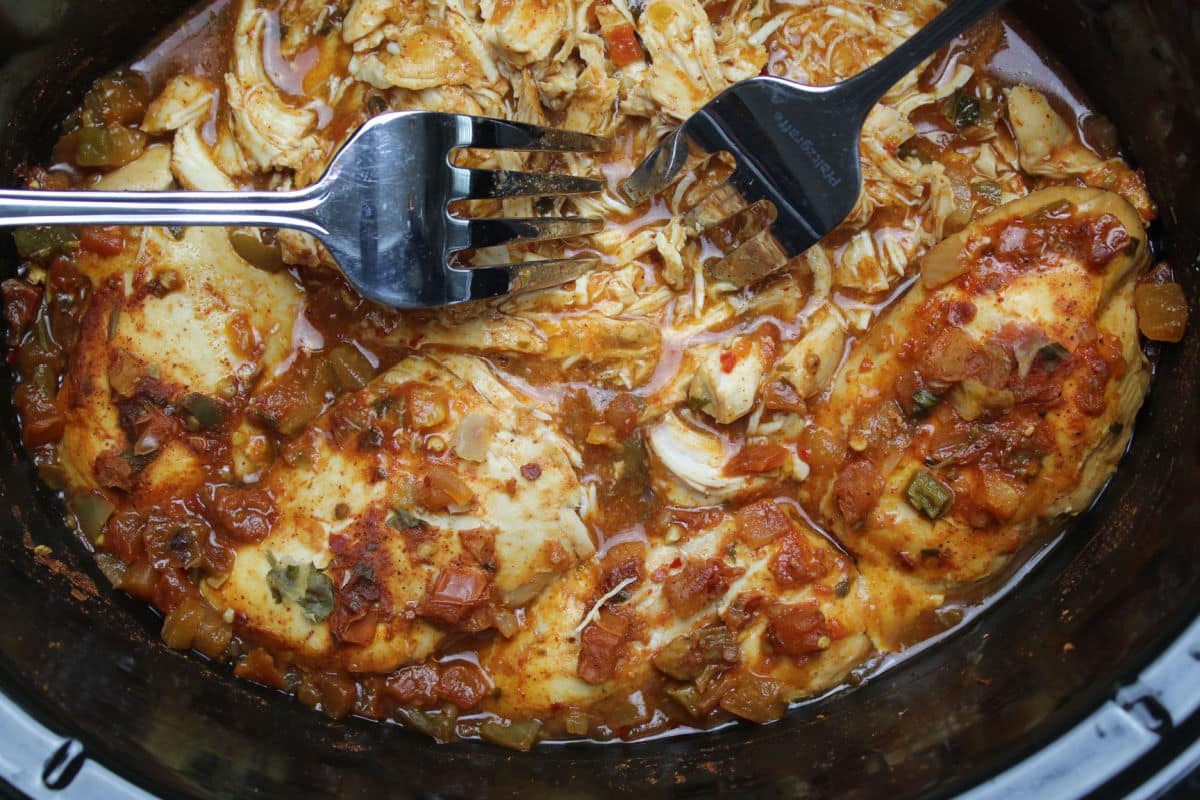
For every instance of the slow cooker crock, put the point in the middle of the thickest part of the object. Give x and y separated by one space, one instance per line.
1083 681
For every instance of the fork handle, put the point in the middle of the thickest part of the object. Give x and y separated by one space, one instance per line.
874 82
292 209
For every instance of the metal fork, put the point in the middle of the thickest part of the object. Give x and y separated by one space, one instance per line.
795 148
381 208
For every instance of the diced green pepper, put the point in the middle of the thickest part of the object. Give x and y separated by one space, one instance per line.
929 495
44 242
439 723
91 512
963 110
248 243
117 99
515 735
206 412
349 368
109 147
990 191
1053 354
95 148
403 520
925 400
302 584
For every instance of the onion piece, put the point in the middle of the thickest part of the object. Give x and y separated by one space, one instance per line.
1162 311
474 435
942 264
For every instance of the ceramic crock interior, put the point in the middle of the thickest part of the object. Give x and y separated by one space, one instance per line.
1124 580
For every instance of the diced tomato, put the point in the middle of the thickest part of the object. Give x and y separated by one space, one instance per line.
123 536
462 684
245 514
799 563
623 46
622 414
361 631
21 302
756 457
857 489
103 240
622 562
761 522
729 360
696 585
1108 240
780 396
798 630
259 666
441 488
456 591
600 648
113 472
170 590
414 686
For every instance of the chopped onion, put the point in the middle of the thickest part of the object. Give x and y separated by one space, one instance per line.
942 264
91 511
517 735
113 568
1162 311
474 435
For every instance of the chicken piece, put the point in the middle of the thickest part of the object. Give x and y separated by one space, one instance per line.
1048 146
364 17
605 629
526 31
149 172
995 398
726 382
193 165
440 54
200 322
691 466
1051 148
431 499
272 133
185 100
684 72
810 363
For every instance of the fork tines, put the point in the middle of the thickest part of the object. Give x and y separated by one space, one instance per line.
471 184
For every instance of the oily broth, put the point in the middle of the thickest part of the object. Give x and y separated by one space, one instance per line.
200 45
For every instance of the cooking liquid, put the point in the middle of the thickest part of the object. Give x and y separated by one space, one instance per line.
999 48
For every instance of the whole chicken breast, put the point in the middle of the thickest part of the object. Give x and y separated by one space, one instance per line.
994 399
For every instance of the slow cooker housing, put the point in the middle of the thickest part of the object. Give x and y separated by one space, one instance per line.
1083 680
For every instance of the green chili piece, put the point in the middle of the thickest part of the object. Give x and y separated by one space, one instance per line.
439 723
990 191
520 735
925 400
403 520
248 243
302 584
1053 355
91 512
963 110
44 242
207 412
348 367
95 148
929 495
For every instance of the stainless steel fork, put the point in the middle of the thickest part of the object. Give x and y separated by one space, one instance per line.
795 148
381 208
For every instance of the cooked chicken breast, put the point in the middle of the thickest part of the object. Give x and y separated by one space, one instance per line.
648 498
994 399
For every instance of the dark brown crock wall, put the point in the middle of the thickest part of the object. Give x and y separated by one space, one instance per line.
1123 582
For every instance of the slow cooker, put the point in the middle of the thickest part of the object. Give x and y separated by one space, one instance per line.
1084 680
